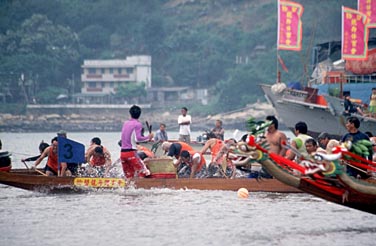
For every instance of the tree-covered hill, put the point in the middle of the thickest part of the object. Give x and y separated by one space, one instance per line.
228 46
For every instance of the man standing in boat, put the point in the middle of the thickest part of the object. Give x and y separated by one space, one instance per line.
133 166
184 121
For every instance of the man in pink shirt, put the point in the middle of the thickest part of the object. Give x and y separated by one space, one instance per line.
133 166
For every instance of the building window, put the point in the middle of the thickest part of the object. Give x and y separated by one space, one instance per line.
103 84
119 70
129 70
91 84
112 84
91 70
111 70
103 71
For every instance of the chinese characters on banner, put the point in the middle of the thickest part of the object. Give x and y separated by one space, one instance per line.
354 34
289 25
368 7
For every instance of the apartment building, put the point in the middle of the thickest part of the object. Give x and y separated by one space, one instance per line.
103 77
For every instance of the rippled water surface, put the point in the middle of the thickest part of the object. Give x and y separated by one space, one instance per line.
170 217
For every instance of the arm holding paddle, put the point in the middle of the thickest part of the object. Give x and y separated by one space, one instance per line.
41 157
141 138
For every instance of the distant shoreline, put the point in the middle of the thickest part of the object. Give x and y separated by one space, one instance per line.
113 123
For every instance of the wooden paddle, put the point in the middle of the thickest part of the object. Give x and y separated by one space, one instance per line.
40 172
25 165
148 126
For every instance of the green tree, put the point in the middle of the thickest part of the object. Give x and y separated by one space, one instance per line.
40 48
131 91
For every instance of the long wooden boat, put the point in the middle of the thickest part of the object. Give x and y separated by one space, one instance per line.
31 180
336 187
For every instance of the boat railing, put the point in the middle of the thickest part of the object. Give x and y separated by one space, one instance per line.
335 78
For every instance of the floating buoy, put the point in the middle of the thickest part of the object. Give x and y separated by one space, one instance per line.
243 193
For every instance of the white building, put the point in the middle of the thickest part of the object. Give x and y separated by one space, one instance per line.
103 77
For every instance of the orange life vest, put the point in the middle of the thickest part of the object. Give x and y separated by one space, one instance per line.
202 160
147 151
52 160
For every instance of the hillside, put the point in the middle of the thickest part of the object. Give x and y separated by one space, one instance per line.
227 46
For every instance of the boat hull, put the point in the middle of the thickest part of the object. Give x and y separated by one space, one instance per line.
29 180
366 123
318 118
340 190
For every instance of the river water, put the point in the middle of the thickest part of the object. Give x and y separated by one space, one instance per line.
168 217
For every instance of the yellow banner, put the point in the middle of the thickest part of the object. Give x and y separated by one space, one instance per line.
100 182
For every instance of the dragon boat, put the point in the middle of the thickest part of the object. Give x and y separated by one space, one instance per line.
163 175
323 176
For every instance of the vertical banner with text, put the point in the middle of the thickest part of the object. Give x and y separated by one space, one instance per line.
354 34
368 7
289 25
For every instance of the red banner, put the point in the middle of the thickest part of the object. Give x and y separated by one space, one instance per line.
354 34
289 25
368 7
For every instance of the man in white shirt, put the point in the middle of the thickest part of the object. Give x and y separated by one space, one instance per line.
184 121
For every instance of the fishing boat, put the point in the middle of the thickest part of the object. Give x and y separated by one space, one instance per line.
29 180
294 102
337 105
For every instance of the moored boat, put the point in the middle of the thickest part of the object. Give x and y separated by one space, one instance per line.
337 105
294 102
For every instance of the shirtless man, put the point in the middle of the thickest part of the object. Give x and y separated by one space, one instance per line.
275 137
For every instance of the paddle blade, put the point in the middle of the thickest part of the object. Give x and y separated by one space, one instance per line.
148 126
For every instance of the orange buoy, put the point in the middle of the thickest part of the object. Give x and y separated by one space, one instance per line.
243 193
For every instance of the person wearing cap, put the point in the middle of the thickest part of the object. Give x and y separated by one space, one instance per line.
184 121
326 143
62 133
